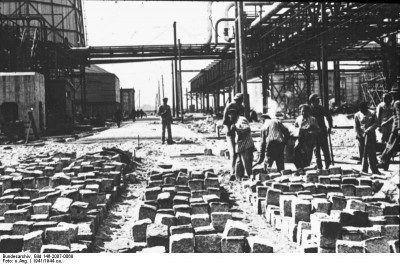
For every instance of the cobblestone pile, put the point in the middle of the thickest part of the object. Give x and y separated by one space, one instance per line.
55 202
328 211
189 211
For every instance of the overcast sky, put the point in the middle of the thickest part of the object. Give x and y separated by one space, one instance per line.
150 23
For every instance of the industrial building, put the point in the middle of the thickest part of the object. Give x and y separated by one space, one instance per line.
127 100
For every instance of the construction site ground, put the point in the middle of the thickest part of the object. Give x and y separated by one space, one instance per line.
143 138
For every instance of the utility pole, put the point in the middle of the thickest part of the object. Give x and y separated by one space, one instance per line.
242 53
162 85
324 59
180 79
173 89
237 88
176 72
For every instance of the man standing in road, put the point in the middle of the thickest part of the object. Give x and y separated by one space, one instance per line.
320 113
118 117
164 111
230 137
384 112
365 125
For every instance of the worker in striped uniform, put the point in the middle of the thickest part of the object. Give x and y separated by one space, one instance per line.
274 137
244 145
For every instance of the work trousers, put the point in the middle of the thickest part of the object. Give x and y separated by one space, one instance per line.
386 132
232 154
275 152
303 152
244 163
370 152
166 124
392 147
322 144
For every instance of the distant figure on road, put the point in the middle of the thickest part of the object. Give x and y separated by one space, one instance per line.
118 117
133 115
164 111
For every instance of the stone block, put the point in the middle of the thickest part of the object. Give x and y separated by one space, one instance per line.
165 219
376 245
329 233
178 199
310 187
210 198
41 208
219 220
209 243
233 244
54 249
391 209
259 245
211 183
219 207
58 236
390 232
321 205
196 185
301 210
280 186
166 211
147 211
363 191
349 189
182 208
152 193
181 229
157 235
373 210
198 220
394 246
22 227
4 207
199 208
11 243
61 206
181 243
285 204
12 216
338 202
33 241
235 228
164 200
139 230
301 226
273 196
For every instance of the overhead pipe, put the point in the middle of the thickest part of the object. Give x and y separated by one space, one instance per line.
275 7
226 29
209 18
216 28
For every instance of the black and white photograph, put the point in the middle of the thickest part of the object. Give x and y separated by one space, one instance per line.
198 127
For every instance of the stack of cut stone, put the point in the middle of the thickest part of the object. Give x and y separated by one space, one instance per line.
55 203
328 210
189 212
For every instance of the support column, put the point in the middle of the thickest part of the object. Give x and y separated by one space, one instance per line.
197 102
265 88
176 72
223 97
242 53
336 82
308 78
237 88
173 89
324 60
208 102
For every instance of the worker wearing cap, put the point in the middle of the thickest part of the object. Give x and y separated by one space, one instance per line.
384 113
392 146
365 125
227 123
307 129
164 111
244 145
274 137
320 113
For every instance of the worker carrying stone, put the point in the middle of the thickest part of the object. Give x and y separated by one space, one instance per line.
320 113
392 147
230 137
365 125
164 111
307 130
384 113
244 145
274 137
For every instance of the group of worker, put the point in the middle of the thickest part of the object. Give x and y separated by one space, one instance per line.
312 136
137 114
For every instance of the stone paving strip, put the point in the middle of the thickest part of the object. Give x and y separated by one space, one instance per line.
327 211
189 212
55 202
